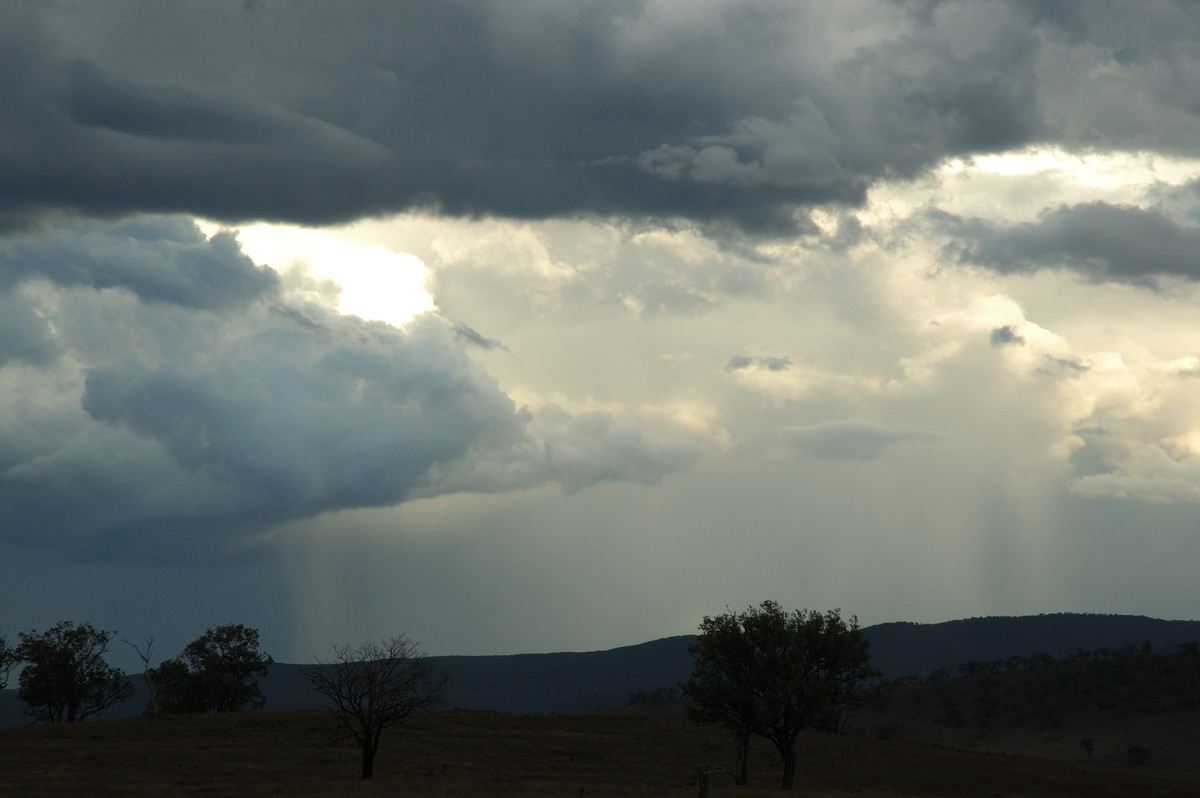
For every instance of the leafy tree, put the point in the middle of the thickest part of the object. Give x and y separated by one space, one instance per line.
65 676
772 673
372 686
217 672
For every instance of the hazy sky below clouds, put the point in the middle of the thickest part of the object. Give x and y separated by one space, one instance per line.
531 326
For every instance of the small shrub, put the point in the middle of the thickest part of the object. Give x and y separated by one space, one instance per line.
1137 754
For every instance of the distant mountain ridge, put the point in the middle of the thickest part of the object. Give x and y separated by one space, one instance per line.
912 649
572 682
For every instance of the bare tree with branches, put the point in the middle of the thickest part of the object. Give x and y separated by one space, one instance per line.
372 686
144 653
8 660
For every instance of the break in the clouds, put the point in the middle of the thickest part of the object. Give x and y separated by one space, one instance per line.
172 397
724 112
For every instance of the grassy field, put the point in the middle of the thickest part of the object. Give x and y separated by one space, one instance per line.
479 753
1146 704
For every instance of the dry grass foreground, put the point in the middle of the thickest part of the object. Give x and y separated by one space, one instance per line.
479 753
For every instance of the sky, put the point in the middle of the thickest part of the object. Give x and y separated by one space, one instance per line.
521 325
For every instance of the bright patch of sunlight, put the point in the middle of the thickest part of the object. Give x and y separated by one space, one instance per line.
377 283
1101 169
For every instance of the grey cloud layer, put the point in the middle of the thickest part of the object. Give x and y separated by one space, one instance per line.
1099 240
320 112
154 414
159 260
851 439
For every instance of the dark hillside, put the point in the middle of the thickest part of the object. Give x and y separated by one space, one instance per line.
587 681
911 649
567 682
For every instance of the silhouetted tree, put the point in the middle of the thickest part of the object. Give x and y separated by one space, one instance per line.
148 674
217 672
8 658
372 686
65 676
773 673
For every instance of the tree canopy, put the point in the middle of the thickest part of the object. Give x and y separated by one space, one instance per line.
216 672
772 673
66 677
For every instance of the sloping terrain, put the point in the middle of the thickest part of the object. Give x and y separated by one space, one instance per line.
912 649
587 681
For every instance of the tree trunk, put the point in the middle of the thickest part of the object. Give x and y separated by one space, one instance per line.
789 767
368 759
743 757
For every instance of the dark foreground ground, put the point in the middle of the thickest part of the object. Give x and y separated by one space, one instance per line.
481 753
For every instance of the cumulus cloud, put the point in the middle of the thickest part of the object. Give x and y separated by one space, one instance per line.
157 423
163 259
851 439
25 334
579 451
1150 475
574 451
797 152
748 114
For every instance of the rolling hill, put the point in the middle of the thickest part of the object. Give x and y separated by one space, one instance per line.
574 682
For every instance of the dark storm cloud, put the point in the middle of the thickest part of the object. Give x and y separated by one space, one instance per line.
159 260
207 434
140 423
1102 242
307 420
852 439
321 112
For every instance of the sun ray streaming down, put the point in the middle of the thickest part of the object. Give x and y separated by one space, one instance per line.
536 326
